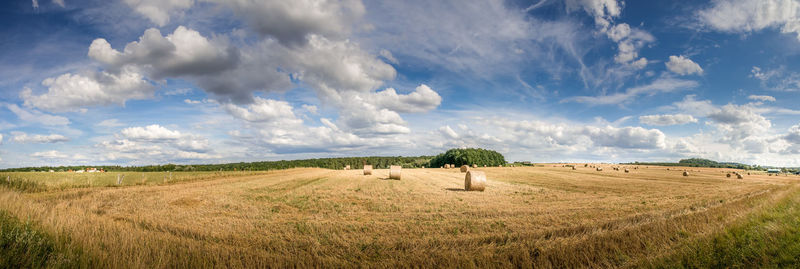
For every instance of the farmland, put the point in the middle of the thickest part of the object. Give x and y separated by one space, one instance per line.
544 216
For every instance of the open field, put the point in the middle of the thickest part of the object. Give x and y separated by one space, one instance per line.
528 216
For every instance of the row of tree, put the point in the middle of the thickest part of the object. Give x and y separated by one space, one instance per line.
454 156
330 163
699 162
468 156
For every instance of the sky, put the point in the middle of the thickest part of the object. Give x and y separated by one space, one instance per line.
140 82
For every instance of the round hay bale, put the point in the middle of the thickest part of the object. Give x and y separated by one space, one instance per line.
599 169
394 172
347 167
739 176
728 175
627 171
686 174
573 168
464 168
585 164
475 181
474 166
367 169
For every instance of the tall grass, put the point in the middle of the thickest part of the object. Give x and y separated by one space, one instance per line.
24 244
768 239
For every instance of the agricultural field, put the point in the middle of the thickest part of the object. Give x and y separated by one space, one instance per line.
543 216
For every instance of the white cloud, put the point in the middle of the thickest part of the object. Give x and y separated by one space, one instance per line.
695 107
422 99
23 138
110 123
291 22
181 91
745 16
150 133
264 111
626 137
158 11
34 116
660 85
663 120
156 144
35 4
51 154
388 56
778 79
763 98
448 132
683 66
311 109
59 3
71 92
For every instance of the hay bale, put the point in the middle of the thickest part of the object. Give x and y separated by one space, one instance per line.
394 172
347 167
627 171
686 174
585 164
599 169
464 168
475 181
728 175
739 176
367 169
573 168
474 166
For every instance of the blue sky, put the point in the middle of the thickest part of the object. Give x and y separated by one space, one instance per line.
138 82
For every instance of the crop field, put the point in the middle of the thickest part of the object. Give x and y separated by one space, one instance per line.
544 216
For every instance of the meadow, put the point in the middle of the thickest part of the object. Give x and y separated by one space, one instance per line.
545 216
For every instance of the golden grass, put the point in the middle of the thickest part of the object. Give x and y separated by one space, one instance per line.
542 216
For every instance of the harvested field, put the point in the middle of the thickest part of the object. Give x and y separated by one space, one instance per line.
527 216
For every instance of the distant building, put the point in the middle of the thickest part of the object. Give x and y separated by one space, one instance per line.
774 171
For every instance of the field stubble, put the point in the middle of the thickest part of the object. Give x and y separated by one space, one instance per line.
531 216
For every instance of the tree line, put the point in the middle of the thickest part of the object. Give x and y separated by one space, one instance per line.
468 156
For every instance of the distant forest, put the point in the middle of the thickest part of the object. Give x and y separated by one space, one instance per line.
698 162
454 156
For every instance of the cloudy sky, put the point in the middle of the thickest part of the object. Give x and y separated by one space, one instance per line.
135 82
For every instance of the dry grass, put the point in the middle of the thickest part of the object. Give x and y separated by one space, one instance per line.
542 216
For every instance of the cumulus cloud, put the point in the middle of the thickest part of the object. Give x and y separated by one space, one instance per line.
23 138
150 133
762 98
745 16
71 92
660 85
683 66
663 120
35 4
264 111
158 11
422 99
292 22
626 137
155 143
59 3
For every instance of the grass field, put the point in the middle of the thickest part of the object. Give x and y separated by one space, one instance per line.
547 216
